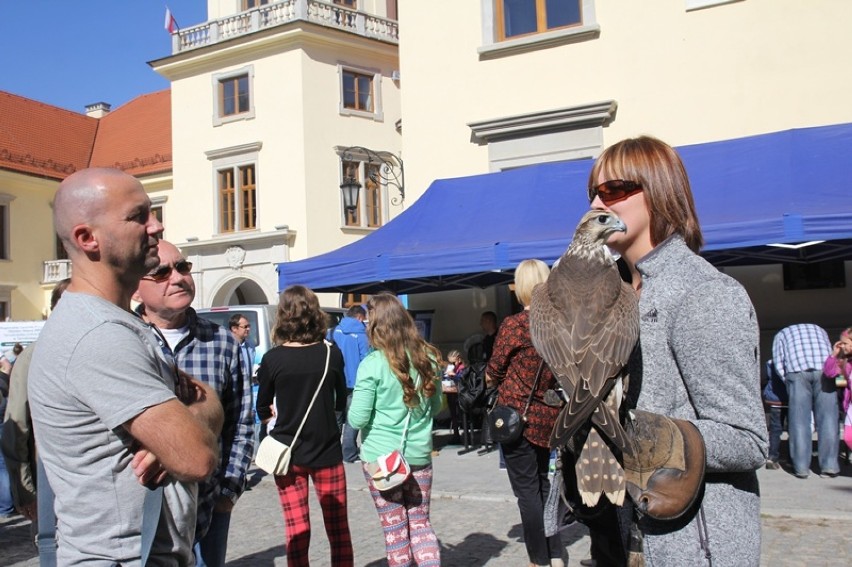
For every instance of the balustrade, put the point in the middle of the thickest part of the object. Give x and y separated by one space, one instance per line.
284 12
56 271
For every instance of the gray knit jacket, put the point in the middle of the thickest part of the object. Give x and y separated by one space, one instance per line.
699 360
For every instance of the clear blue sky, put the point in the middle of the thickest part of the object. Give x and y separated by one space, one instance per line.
70 53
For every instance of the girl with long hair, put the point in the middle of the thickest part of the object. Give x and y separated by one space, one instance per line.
397 394
290 373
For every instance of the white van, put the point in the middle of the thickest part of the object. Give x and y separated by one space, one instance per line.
261 318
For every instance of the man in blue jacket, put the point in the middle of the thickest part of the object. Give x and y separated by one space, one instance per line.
350 336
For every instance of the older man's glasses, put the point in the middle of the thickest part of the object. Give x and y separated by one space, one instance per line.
164 272
614 191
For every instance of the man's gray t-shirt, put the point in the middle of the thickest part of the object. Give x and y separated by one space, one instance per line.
96 368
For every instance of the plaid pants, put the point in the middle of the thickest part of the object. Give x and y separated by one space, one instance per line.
404 514
330 487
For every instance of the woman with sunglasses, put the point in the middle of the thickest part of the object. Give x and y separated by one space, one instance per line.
698 353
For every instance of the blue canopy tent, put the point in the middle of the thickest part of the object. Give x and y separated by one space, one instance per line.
786 187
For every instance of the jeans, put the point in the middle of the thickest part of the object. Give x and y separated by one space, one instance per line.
6 505
810 392
777 415
350 436
210 551
527 466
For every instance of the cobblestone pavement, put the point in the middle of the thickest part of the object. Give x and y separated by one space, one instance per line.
805 522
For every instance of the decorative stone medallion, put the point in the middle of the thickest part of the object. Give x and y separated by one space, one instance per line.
235 256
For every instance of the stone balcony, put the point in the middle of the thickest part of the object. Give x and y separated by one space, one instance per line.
283 12
56 271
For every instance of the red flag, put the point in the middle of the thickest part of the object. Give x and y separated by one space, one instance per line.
171 23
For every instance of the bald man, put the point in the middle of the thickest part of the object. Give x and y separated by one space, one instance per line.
106 416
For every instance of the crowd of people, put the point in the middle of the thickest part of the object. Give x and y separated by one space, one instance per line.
144 418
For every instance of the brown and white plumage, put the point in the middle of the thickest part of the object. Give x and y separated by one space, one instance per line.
584 322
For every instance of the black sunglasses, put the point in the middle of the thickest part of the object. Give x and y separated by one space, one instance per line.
162 273
614 191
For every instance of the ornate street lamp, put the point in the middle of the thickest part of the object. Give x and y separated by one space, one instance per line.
350 188
390 172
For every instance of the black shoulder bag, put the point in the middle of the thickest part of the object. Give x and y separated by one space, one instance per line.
506 424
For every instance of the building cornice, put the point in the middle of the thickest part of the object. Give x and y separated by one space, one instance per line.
247 239
535 123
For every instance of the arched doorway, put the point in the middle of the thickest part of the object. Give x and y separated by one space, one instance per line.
240 291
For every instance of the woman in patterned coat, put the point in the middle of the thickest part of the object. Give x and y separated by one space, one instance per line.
513 366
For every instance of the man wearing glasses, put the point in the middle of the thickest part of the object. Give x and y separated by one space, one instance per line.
207 351
241 329
106 417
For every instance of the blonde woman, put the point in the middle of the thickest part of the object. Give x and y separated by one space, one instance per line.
397 394
513 367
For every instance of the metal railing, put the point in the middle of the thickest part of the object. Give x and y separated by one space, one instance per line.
284 12
56 271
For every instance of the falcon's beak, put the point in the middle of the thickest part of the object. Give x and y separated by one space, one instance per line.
619 225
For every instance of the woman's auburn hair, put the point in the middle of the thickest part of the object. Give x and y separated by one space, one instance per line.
391 330
299 318
657 167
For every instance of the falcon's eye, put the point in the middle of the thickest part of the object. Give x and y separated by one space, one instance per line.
603 219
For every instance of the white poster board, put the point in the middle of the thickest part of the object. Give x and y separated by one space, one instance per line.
24 332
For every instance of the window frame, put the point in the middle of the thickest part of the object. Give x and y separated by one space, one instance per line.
238 221
701 4
365 216
348 300
244 4
541 20
375 75
5 226
234 160
158 209
493 46
218 82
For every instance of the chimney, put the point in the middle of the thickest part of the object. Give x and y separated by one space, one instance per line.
97 109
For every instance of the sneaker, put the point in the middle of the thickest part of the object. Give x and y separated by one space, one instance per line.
801 475
772 465
828 475
588 562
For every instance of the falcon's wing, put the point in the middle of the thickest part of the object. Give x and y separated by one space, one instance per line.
584 322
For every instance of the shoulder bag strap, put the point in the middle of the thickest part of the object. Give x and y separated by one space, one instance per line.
304 419
405 432
535 385
407 420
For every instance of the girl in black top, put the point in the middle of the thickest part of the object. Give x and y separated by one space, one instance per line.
289 374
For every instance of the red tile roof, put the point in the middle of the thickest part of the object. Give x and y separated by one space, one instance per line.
137 137
44 140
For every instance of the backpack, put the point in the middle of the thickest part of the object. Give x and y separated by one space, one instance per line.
471 386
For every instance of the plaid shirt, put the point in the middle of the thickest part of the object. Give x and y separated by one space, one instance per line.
211 354
799 348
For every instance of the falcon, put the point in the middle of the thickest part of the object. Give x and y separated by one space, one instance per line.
584 321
